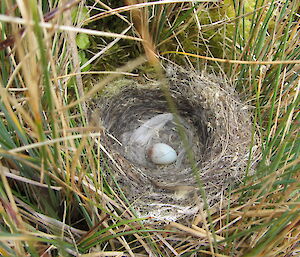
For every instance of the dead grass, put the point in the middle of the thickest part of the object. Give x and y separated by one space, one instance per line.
46 139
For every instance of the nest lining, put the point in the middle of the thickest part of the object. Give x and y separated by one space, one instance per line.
217 127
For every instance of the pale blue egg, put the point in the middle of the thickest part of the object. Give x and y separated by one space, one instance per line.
161 153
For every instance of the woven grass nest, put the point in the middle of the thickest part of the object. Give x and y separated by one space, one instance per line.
214 122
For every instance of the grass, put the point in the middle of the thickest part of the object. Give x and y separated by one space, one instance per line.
55 200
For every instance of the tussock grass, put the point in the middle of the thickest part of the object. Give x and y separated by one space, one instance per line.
55 200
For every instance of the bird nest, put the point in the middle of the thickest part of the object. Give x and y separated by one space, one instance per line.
210 133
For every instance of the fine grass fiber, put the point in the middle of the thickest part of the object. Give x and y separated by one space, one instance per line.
63 190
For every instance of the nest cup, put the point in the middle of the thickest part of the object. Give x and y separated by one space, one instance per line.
212 125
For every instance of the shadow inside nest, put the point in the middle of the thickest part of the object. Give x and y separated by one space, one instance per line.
215 124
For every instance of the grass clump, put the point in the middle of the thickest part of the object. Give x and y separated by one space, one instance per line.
55 196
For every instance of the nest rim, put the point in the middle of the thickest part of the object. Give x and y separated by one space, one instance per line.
206 102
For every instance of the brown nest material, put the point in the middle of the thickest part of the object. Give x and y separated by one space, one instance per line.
217 127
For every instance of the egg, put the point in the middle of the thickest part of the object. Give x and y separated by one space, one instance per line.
161 153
